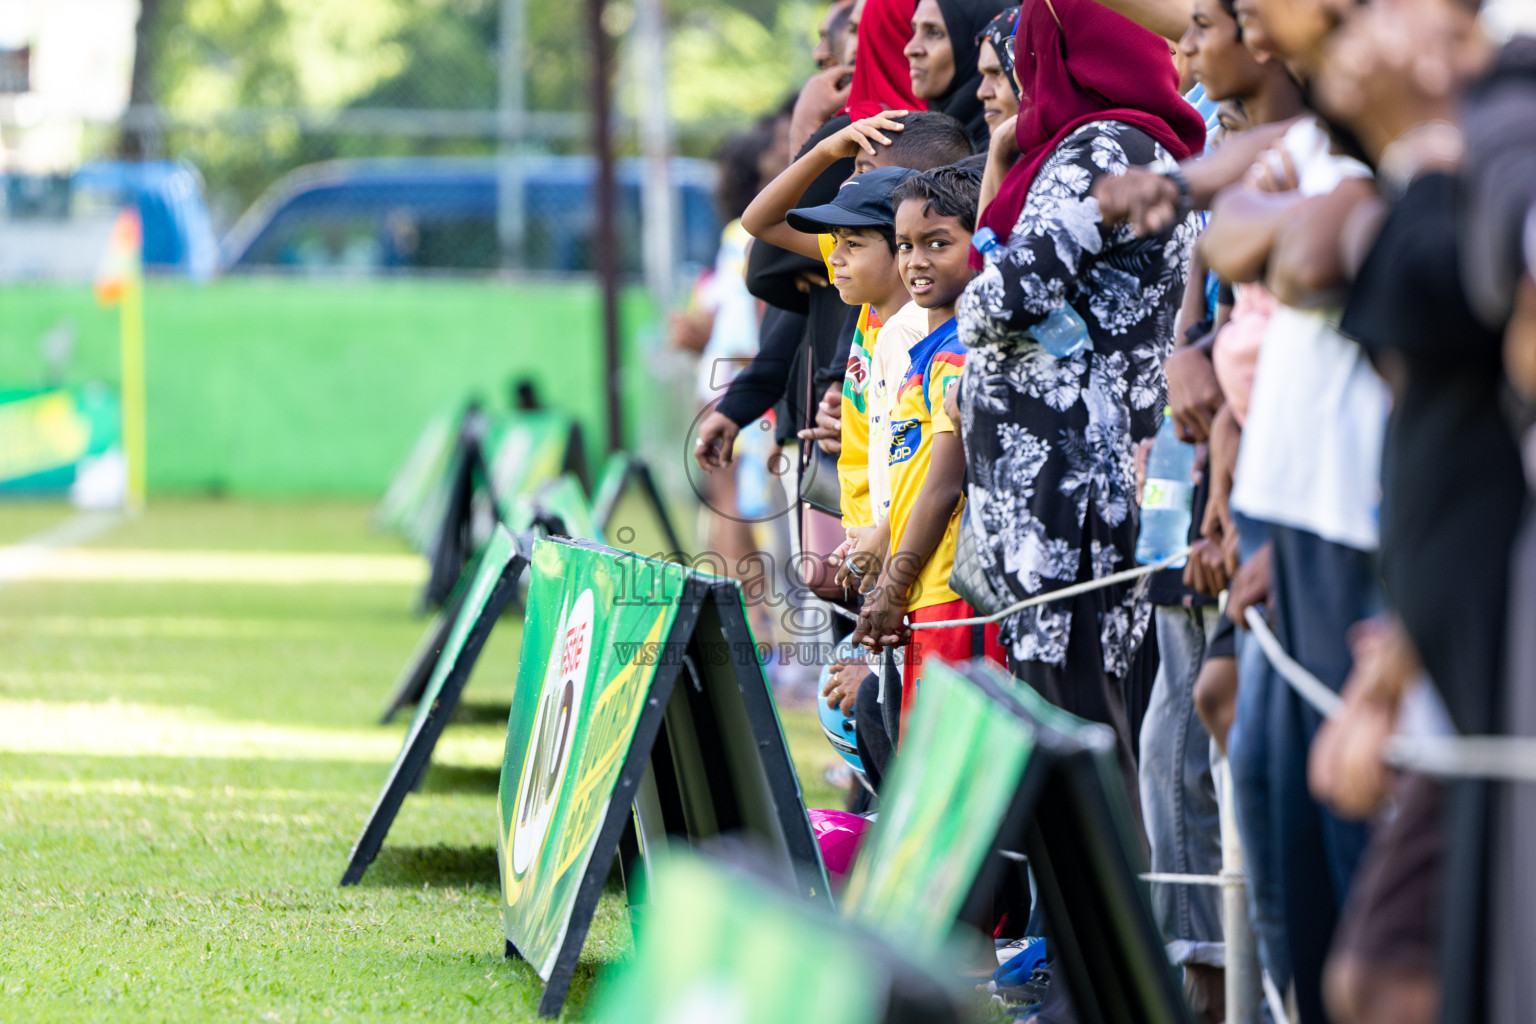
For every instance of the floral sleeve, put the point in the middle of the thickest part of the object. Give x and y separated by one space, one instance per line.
1060 252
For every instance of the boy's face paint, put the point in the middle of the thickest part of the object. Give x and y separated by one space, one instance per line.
933 254
1216 55
863 266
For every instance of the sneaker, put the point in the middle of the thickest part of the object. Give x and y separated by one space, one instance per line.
1008 950
1031 991
1027 954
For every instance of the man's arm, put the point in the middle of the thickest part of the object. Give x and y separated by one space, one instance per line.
764 380
1245 224
1168 18
824 95
1150 201
1308 267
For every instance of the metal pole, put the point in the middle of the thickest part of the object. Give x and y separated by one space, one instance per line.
604 239
658 237
1244 985
511 217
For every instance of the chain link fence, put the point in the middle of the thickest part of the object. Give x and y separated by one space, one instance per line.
356 191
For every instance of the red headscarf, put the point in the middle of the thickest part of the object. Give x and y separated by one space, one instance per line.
881 78
1094 65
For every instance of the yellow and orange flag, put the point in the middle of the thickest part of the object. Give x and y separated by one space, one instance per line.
122 266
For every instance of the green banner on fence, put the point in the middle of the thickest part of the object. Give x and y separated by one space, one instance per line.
580 692
50 436
989 774
627 508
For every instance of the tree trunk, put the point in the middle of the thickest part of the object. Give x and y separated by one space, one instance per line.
140 137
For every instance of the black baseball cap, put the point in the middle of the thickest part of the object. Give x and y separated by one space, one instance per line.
863 201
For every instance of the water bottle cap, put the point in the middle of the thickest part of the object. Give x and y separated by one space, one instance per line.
984 239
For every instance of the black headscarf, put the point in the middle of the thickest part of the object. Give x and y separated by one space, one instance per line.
999 32
964 20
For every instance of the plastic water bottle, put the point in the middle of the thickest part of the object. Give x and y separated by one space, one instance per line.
984 240
1165 501
1063 334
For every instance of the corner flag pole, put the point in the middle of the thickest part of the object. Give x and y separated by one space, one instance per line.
121 283
132 322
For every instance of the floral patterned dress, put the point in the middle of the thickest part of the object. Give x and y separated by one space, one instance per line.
1050 443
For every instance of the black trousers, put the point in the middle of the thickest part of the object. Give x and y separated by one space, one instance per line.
1082 686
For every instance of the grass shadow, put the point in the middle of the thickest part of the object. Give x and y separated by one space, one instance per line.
440 867
453 778
480 713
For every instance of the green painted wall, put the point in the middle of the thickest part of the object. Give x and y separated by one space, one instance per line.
292 387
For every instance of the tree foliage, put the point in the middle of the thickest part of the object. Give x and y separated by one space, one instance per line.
206 58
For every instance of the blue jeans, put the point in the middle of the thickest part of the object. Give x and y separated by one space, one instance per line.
1321 589
1248 760
1178 792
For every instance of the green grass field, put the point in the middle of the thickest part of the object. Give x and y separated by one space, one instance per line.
184 766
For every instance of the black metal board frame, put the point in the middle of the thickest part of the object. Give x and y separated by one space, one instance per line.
449 550
712 782
1075 837
420 741
412 681
729 769
637 471
1108 945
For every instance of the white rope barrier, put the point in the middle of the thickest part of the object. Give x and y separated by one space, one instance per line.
1236 879
1499 758
1502 758
1086 587
1310 688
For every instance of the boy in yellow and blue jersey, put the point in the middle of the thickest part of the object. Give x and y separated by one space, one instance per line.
935 215
854 235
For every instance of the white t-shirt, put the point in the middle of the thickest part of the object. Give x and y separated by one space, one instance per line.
887 366
1311 450
733 339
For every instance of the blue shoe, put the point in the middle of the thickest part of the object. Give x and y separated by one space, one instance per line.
1022 957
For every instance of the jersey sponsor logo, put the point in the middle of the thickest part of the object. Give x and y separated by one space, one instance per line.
554 728
857 373
906 438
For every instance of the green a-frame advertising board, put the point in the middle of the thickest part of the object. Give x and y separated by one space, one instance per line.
990 771
640 703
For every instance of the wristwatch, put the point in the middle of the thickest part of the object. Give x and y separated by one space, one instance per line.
1176 175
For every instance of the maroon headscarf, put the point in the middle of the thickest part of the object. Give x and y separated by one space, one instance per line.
1094 65
882 79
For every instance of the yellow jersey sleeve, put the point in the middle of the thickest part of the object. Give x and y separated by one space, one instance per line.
853 461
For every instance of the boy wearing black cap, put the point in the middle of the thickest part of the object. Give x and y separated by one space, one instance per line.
855 235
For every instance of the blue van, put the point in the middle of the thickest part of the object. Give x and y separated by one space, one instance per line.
57 223
413 214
